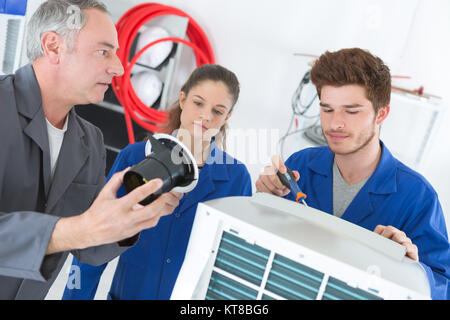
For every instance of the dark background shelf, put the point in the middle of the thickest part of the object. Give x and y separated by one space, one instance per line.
112 125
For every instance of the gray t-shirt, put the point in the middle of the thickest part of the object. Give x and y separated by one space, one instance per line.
343 194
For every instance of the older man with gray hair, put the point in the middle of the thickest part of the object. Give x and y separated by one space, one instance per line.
53 197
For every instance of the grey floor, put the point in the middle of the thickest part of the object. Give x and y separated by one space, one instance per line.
57 289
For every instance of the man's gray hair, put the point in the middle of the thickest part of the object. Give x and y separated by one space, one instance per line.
65 17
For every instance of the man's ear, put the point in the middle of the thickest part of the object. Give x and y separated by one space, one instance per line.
52 43
382 114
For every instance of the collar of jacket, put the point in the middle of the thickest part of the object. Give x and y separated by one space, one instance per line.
215 164
74 150
214 169
29 99
382 181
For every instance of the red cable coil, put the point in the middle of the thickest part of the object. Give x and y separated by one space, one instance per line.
127 29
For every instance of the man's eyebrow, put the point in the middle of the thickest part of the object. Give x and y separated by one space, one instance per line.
107 44
355 105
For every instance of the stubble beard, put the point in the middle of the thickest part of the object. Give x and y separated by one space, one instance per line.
361 142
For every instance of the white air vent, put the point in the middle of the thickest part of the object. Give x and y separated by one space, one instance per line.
266 247
11 41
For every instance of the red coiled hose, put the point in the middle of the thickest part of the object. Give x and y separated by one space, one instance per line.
127 29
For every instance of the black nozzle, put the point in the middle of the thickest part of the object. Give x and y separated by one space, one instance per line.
166 161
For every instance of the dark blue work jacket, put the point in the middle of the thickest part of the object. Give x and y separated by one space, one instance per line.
394 195
150 268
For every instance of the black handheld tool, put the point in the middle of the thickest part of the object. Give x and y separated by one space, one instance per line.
288 180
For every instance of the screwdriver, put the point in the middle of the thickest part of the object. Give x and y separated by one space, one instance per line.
288 180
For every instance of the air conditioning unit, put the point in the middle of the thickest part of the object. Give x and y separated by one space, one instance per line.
12 29
266 247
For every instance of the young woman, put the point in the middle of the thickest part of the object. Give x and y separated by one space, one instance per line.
150 268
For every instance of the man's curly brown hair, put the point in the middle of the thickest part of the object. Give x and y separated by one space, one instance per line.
354 66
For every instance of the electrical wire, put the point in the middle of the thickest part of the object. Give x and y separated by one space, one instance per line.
290 133
127 30
299 109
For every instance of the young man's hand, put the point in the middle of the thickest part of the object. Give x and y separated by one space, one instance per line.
269 182
399 236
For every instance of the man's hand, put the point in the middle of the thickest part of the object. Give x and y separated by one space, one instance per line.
111 219
269 182
399 236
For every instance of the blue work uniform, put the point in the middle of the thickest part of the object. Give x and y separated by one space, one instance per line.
394 195
150 268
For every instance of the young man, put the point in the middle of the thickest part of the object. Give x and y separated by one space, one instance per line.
52 162
355 177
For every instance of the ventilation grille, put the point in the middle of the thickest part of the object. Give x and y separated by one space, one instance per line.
339 290
241 259
10 43
292 280
245 271
223 288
